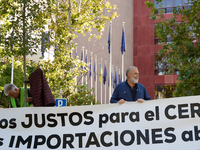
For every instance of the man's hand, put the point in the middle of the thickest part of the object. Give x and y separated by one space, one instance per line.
121 101
30 99
140 100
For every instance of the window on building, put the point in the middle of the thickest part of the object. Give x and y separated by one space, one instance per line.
169 5
186 2
169 40
177 3
157 41
164 91
176 71
161 65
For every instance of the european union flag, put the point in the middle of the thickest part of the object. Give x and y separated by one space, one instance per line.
123 44
119 78
109 41
45 40
75 53
94 71
115 80
104 75
86 62
90 68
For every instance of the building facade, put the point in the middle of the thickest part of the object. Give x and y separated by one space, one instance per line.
153 71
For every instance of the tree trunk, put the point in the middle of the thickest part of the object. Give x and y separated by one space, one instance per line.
24 53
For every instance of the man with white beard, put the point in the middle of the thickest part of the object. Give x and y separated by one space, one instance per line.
130 90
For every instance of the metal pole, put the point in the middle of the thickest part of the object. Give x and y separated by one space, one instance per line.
110 68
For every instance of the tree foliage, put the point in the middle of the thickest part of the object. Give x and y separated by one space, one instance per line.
5 75
66 19
184 50
23 26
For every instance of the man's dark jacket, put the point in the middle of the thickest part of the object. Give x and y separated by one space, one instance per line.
41 93
122 91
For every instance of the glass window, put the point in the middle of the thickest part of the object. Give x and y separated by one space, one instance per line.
164 91
187 2
159 5
177 3
176 71
155 4
163 3
169 40
160 62
169 10
187 7
169 3
161 9
190 2
179 7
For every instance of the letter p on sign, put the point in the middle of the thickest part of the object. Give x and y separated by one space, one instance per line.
61 102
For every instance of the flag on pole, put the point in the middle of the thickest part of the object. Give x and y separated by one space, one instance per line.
81 59
123 43
112 80
45 39
109 41
94 71
86 63
90 68
119 78
81 55
56 48
76 53
115 80
104 75
108 82
101 72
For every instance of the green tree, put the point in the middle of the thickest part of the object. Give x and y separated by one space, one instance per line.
5 75
184 50
22 29
66 19
22 23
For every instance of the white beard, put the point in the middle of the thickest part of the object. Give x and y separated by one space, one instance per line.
134 80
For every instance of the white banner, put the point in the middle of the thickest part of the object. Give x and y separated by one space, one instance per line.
167 124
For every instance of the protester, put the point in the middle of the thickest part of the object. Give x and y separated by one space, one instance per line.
130 90
17 95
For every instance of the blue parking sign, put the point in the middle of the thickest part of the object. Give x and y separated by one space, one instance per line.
61 102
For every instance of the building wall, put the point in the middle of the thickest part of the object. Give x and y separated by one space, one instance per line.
100 47
143 31
144 49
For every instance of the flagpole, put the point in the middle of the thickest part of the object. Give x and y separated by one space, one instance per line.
82 62
119 77
86 63
124 76
116 77
76 58
110 70
79 6
12 71
101 82
123 56
96 79
91 70
113 76
105 88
